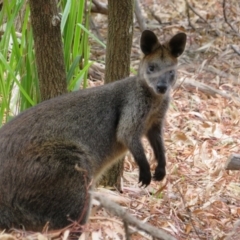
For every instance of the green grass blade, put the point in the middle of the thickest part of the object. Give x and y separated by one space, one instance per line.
71 71
75 83
65 14
7 67
91 35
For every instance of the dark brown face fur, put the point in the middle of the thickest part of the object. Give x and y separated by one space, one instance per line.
158 66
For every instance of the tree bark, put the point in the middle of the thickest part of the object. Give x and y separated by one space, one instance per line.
119 43
48 47
119 40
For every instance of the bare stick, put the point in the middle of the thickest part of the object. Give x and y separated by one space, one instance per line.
94 28
188 211
225 18
188 15
139 16
99 7
197 13
102 8
157 18
189 6
222 74
235 49
191 84
129 219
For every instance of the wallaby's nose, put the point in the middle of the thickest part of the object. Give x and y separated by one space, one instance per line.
161 88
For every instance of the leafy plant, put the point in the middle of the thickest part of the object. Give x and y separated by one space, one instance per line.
76 45
18 73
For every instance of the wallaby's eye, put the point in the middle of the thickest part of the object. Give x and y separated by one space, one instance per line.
171 75
151 68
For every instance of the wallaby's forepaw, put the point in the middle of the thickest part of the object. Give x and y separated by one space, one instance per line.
159 174
144 178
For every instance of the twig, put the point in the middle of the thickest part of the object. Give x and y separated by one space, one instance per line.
157 18
225 18
99 7
197 13
222 74
131 220
188 211
140 19
191 84
235 49
194 11
102 8
94 28
132 230
188 16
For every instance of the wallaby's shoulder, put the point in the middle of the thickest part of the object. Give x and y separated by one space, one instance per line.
110 90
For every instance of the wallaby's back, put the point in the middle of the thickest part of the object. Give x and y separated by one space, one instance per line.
50 154
85 117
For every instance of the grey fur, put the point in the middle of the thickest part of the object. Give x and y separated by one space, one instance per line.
51 154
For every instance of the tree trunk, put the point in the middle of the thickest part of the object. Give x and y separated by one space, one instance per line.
119 43
48 47
119 40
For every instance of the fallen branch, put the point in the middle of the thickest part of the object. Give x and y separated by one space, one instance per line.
188 16
192 84
188 211
233 162
235 49
156 17
127 218
99 7
225 18
189 6
222 74
95 29
139 16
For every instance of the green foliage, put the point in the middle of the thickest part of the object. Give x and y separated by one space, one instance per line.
18 81
76 45
18 73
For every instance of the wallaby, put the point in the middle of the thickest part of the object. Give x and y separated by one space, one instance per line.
53 153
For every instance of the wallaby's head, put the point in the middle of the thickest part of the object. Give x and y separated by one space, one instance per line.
158 66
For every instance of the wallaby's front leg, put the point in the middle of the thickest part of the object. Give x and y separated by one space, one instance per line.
136 148
155 138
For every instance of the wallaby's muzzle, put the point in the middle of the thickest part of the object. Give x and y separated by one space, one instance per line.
162 87
162 84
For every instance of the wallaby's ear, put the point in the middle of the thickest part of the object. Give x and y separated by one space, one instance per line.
177 44
149 42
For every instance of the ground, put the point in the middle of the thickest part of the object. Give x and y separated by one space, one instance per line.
198 199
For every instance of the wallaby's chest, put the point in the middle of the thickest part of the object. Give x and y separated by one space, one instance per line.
156 114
